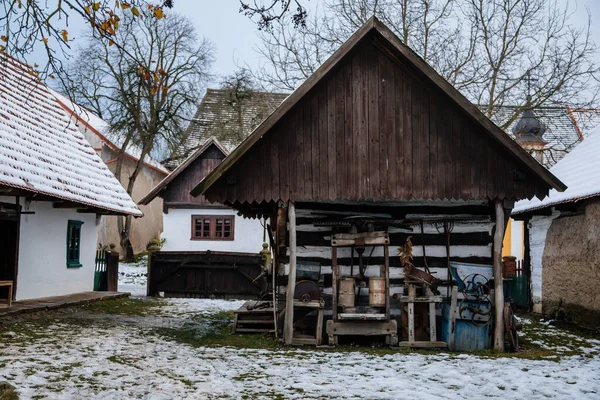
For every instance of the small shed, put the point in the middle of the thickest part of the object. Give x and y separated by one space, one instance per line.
562 237
376 147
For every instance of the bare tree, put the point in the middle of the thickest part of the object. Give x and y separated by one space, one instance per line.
28 24
486 48
268 11
146 89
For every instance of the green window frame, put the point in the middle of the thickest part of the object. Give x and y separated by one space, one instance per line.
73 243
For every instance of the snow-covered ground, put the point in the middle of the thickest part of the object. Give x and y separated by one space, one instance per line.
120 358
133 277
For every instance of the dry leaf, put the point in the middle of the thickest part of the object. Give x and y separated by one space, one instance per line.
158 13
65 35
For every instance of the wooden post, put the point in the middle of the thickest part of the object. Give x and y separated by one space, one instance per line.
335 276
498 290
288 327
112 271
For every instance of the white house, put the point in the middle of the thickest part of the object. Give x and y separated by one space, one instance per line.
194 224
53 189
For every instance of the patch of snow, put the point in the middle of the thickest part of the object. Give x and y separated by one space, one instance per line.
129 362
133 277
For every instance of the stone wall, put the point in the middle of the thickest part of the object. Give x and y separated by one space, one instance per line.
571 266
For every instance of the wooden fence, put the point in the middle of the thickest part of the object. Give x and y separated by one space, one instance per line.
106 275
519 286
206 274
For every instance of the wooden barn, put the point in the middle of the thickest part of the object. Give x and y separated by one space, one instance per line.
376 147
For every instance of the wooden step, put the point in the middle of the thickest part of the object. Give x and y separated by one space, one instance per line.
254 330
254 321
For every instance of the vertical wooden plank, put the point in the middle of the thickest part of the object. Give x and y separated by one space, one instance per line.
307 122
467 161
432 322
418 140
354 158
390 133
425 148
315 159
456 138
334 283
453 305
434 158
411 314
334 122
400 190
407 167
274 157
386 275
344 169
323 152
283 138
288 327
373 129
293 147
319 332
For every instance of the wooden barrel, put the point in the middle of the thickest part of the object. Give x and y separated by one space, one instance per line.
377 292
347 293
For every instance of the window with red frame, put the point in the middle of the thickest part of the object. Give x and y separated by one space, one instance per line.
212 227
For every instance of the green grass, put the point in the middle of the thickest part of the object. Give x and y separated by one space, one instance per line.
126 306
215 330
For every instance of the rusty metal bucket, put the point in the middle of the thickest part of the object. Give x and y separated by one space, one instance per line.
377 292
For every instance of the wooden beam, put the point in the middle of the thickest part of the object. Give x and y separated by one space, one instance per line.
498 289
288 327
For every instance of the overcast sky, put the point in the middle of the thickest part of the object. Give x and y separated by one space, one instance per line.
235 35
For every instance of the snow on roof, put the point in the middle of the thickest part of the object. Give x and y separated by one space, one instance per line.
42 151
101 128
579 170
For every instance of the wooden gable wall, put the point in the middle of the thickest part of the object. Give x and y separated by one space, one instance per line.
375 128
178 190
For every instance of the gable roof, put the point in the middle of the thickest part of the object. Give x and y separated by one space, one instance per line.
101 129
185 164
373 24
41 151
579 170
227 115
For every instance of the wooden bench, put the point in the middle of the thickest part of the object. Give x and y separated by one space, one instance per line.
10 290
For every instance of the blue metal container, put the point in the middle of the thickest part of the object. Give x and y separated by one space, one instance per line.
467 336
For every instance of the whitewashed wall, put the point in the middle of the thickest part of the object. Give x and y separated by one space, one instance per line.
43 268
538 229
177 232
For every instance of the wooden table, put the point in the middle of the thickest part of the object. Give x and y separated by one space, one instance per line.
10 290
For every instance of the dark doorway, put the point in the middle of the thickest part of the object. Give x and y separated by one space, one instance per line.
9 246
